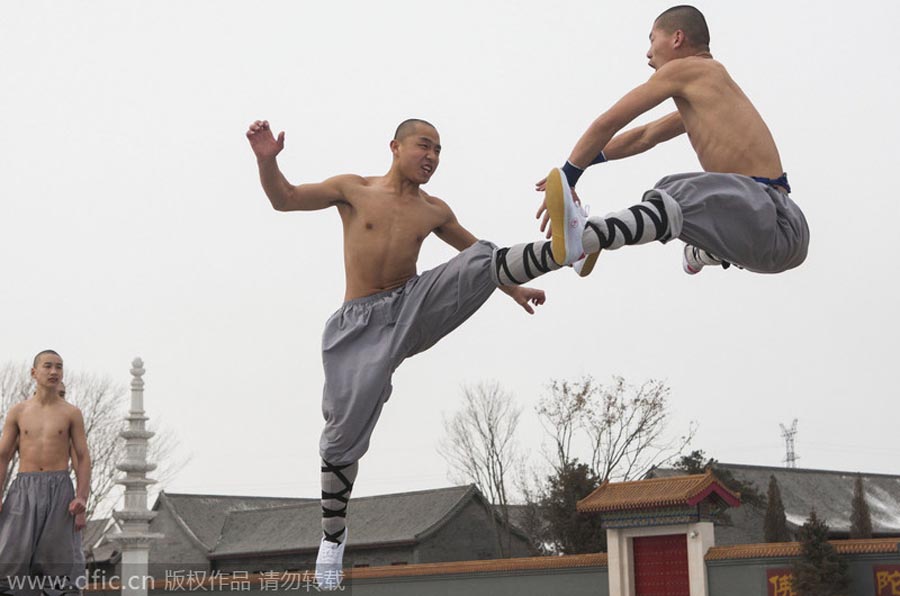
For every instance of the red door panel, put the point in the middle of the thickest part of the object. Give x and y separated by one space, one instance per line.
661 566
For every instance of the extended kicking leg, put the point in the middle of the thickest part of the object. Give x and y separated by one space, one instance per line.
639 224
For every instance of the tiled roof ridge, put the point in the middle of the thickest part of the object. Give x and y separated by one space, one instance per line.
314 501
461 487
457 506
242 497
163 498
806 470
684 488
486 566
792 549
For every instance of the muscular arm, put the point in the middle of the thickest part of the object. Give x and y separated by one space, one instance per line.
454 234
83 463
643 138
661 86
305 197
283 195
8 443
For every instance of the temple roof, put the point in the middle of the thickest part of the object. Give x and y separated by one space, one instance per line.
657 492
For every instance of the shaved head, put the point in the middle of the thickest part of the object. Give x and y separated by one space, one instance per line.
37 357
689 20
408 127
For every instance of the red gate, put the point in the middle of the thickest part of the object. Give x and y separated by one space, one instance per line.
661 566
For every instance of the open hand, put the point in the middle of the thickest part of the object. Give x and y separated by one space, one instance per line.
525 297
80 522
263 142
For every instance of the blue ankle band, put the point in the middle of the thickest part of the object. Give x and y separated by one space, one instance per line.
573 173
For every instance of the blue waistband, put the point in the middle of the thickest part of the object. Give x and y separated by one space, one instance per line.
781 181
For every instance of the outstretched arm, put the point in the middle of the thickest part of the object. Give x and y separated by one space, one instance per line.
283 195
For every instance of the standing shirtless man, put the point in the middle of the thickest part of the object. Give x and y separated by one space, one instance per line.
38 539
390 312
738 210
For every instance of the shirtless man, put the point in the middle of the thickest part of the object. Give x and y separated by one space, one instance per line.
737 211
38 538
80 519
390 312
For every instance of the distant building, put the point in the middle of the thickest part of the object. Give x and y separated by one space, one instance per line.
829 492
207 533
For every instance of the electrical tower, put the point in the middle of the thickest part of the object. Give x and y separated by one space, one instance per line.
790 457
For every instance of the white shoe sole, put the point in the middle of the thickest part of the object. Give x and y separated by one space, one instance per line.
565 233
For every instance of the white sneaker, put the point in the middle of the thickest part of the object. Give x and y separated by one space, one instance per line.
694 259
585 265
567 220
689 261
329 564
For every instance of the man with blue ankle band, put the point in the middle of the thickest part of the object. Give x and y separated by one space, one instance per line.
737 210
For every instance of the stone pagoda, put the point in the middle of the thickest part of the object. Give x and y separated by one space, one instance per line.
134 518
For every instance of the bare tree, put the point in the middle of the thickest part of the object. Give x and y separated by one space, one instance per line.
479 446
103 404
561 411
627 427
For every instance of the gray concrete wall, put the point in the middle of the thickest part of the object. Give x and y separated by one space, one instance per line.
741 577
747 577
555 582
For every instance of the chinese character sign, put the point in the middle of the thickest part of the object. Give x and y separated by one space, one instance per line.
779 582
887 580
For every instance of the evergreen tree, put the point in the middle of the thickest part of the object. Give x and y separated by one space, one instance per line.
860 518
775 529
569 531
820 570
696 462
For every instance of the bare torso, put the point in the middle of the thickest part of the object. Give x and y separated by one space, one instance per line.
724 127
45 432
383 231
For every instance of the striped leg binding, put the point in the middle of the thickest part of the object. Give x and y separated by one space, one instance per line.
337 484
521 263
639 224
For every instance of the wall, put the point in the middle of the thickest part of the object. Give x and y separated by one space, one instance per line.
747 577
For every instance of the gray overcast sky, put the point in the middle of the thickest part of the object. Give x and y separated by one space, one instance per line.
132 222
